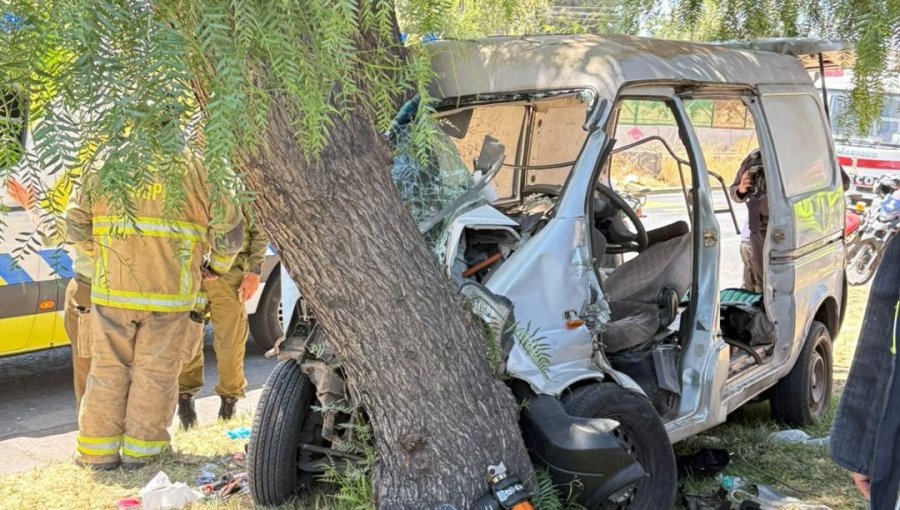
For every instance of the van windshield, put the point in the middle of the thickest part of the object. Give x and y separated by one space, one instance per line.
541 134
885 132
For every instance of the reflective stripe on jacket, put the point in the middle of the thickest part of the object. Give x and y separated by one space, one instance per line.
151 260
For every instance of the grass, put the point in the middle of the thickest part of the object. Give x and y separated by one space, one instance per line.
655 168
64 486
802 471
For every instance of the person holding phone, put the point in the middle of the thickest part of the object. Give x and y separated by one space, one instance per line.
749 187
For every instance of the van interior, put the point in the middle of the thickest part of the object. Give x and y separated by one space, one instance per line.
643 233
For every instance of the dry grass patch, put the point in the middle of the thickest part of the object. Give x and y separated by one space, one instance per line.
68 487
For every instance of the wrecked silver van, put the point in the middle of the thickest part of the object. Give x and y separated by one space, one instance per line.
638 325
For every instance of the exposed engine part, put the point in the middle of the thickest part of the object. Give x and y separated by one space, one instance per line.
480 252
330 393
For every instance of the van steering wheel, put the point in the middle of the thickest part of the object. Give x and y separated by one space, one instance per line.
625 241
622 239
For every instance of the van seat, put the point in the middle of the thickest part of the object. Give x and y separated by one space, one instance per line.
739 296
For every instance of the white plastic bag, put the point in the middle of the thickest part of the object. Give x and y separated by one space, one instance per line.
769 499
161 494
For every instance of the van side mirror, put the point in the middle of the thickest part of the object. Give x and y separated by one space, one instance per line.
491 156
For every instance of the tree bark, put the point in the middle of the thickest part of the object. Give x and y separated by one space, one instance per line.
415 356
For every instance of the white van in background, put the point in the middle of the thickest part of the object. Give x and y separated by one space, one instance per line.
866 158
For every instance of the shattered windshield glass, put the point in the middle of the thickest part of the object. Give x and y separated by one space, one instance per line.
429 184
476 153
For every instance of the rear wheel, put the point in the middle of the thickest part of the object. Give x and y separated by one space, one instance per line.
863 262
283 422
803 396
265 324
641 432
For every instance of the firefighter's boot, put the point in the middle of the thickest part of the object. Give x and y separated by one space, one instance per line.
187 414
226 408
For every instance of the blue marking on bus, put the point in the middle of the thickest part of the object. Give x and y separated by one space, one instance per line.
11 271
59 261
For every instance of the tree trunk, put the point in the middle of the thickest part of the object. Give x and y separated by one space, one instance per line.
416 357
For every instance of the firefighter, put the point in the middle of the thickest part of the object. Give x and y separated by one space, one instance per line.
226 297
145 292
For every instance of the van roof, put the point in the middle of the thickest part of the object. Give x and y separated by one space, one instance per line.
605 63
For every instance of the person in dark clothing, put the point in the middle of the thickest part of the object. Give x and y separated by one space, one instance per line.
865 438
749 188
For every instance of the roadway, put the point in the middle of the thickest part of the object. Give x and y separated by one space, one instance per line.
37 404
663 209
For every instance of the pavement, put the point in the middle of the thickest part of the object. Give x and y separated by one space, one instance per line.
663 209
37 405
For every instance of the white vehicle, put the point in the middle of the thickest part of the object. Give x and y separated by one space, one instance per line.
868 157
264 307
537 240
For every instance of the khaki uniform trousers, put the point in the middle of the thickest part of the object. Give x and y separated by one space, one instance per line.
133 383
757 269
230 332
77 321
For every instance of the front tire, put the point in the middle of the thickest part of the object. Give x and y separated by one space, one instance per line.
265 324
274 449
803 396
642 432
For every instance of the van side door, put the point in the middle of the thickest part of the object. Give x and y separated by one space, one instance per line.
804 253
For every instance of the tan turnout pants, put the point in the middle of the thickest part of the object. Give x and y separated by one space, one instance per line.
230 331
133 383
77 308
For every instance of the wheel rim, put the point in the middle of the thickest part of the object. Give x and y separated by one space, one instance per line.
862 260
625 496
818 380
865 260
310 433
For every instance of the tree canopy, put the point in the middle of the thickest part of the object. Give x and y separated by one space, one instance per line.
125 78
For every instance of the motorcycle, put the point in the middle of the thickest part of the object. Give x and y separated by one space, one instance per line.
634 195
879 225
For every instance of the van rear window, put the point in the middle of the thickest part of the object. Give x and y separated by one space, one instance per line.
801 143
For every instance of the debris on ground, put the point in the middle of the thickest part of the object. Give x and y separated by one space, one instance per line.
239 433
160 493
231 484
736 493
731 483
768 499
128 504
705 462
717 501
797 436
207 474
